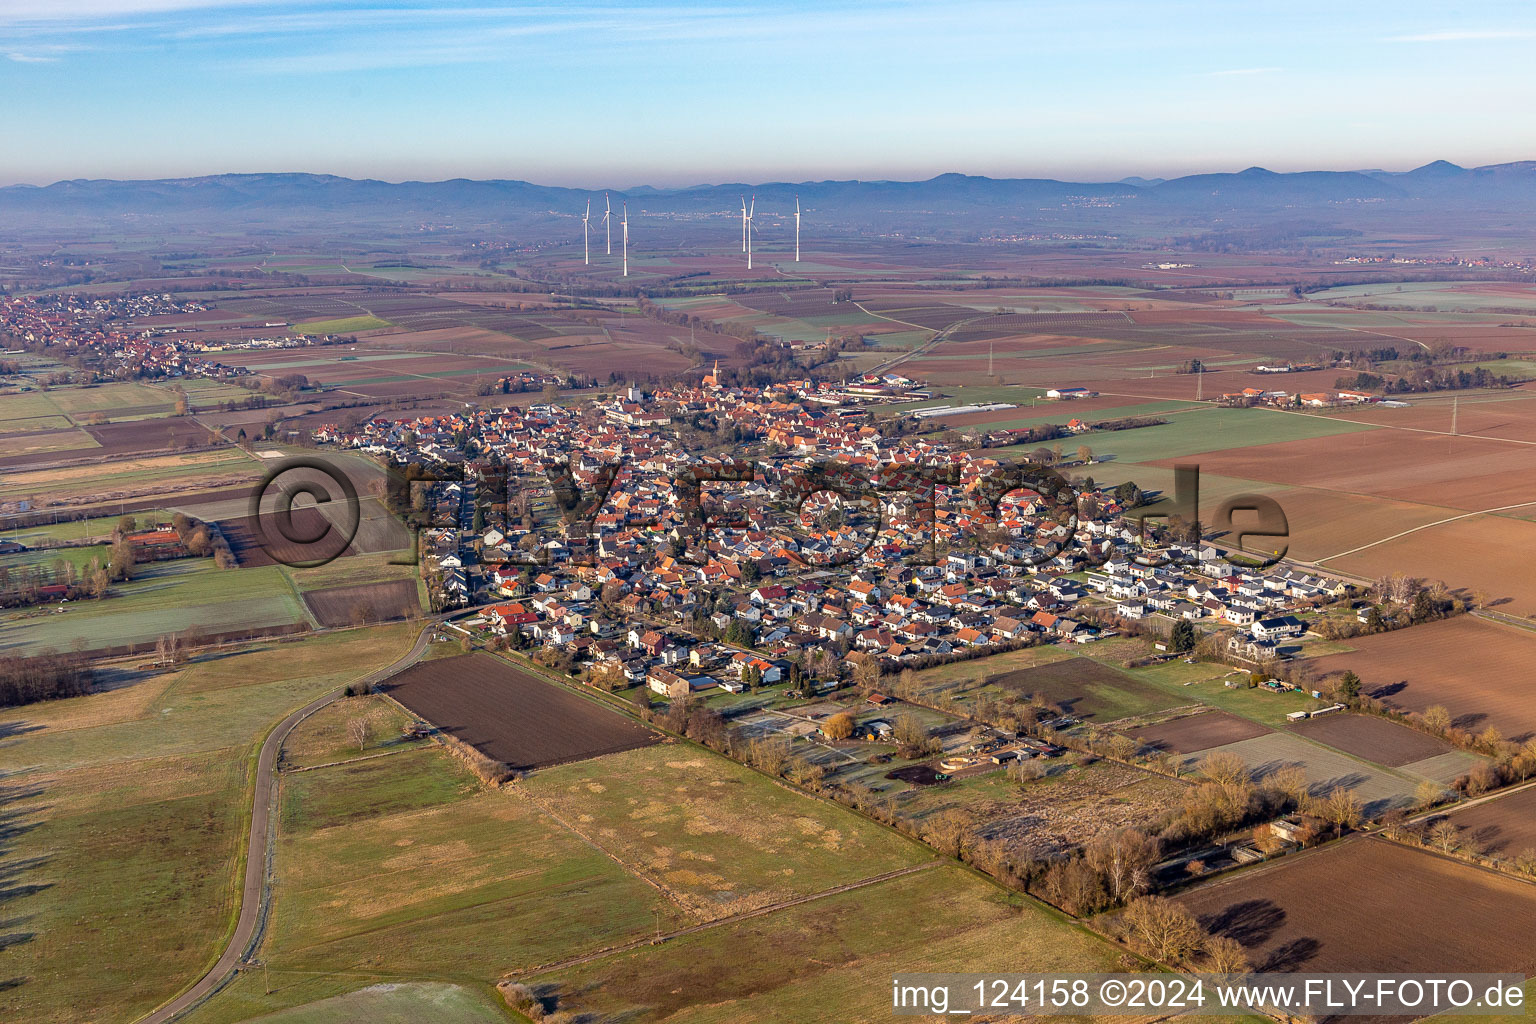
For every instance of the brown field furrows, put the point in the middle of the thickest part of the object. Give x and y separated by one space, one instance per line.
1194 733
1504 826
115 439
1373 739
363 603
1364 904
267 539
1508 415
1479 670
1467 473
512 716
1483 553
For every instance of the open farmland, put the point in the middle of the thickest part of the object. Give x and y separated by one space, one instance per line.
717 838
1193 733
186 595
1374 739
1504 826
364 602
138 795
1377 789
105 441
409 1002
1364 904
826 962
1477 669
1466 473
512 716
117 480
406 866
1474 553
269 538
1084 688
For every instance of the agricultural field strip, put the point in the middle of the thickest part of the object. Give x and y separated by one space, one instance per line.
1267 753
634 872
735 918
1425 526
1416 430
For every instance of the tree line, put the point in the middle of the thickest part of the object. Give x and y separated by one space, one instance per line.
44 677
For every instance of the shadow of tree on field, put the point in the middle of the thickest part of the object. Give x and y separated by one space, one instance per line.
1250 923
1292 955
1469 721
10 730
18 878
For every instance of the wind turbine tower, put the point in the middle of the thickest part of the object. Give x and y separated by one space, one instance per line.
626 239
608 221
797 229
743 223
586 251
750 210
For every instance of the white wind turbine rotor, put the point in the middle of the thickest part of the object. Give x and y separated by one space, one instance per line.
608 221
750 210
797 229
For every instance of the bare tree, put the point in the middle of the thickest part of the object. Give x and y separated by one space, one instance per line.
1428 793
867 675
1165 930
1444 836
1292 781
1437 718
1342 809
1026 770
360 731
1224 768
1125 860
948 831
1225 955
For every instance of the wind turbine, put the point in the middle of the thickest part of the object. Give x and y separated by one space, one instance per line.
586 252
797 229
626 239
743 223
750 211
608 221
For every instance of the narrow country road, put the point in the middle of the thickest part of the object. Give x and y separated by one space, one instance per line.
255 896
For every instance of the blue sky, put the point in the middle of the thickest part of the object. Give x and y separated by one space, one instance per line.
621 93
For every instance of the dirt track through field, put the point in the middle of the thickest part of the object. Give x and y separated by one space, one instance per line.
759 912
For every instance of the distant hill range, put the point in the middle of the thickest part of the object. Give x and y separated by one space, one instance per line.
948 205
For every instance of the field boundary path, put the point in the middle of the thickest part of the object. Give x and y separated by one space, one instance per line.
733 919
256 896
927 346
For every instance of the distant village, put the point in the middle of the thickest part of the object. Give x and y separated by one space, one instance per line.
109 327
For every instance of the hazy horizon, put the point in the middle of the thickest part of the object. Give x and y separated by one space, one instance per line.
730 181
590 94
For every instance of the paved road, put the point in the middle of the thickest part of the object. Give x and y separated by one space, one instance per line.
255 897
